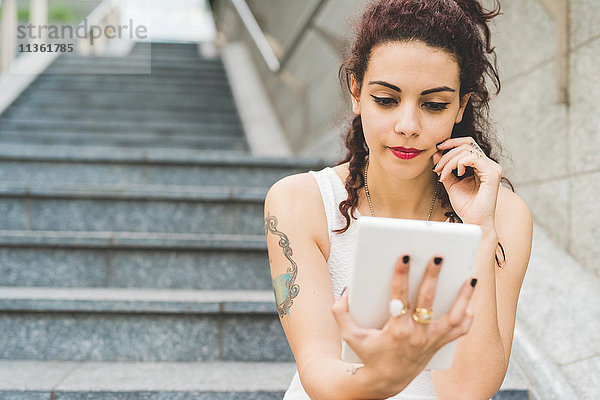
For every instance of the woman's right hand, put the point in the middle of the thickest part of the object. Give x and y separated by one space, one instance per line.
394 355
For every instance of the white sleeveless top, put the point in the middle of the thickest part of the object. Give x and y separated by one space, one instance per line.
334 192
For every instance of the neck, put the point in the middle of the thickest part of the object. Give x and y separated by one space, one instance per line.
401 198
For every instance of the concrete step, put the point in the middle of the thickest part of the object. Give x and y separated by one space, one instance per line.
93 324
134 259
158 64
63 380
104 79
154 116
164 380
139 68
82 98
128 101
32 165
148 140
226 128
131 240
511 394
126 209
164 47
167 54
75 83
214 89
171 55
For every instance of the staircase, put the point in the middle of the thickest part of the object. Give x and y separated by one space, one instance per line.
132 255
133 262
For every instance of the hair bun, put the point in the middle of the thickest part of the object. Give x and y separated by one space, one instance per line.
475 11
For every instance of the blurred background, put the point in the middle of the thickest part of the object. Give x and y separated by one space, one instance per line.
133 169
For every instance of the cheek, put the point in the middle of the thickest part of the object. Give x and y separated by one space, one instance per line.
440 128
375 122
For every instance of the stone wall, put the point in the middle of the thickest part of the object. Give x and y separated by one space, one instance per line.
552 148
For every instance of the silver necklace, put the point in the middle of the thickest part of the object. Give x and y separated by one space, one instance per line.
437 185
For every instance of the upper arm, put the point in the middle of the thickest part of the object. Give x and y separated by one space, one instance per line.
514 226
293 214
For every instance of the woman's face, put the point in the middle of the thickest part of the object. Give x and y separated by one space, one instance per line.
409 99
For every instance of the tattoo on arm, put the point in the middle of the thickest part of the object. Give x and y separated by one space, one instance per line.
283 285
353 368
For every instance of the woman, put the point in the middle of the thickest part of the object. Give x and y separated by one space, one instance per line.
416 73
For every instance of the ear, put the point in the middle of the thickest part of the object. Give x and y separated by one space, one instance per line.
355 92
463 104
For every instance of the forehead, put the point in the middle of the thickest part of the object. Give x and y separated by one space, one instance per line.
412 63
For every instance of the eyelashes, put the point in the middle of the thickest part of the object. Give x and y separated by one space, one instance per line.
384 101
430 105
433 106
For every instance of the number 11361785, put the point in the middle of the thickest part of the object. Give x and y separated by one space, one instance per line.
46 48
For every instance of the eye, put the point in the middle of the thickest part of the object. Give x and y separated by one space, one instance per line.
384 101
435 107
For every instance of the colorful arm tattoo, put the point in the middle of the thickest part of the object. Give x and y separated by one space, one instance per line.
283 285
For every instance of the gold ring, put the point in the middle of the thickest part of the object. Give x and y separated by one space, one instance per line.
423 315
475 152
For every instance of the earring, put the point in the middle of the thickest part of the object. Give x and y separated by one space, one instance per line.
365 147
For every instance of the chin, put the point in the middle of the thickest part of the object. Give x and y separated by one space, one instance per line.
408 169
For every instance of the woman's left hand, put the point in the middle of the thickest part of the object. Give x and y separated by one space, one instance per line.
473 198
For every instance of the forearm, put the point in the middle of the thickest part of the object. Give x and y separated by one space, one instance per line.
328 378
485 332
482 349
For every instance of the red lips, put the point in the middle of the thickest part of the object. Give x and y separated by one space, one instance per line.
405 153
406 150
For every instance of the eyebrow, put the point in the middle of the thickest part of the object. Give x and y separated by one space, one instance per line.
424 92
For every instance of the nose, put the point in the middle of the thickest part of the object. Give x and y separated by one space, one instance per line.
407 120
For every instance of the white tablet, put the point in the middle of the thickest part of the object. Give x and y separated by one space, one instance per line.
380 241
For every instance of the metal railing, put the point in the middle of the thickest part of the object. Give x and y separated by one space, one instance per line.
105 14
8 35
262 43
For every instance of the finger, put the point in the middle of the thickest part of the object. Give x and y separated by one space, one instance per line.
473 159
459 319
454 142
448 181
459 330
460 305
461 167
428 285
437 156
400 279
351 332
426 293
447 157
466 159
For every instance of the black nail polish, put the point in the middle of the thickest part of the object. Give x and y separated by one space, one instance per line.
405 259
473 282
437 260
343 291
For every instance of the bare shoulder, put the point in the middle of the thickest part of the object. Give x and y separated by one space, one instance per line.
512 214
342 171
299 192
297 200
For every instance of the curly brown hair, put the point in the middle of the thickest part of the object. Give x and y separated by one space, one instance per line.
459 27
